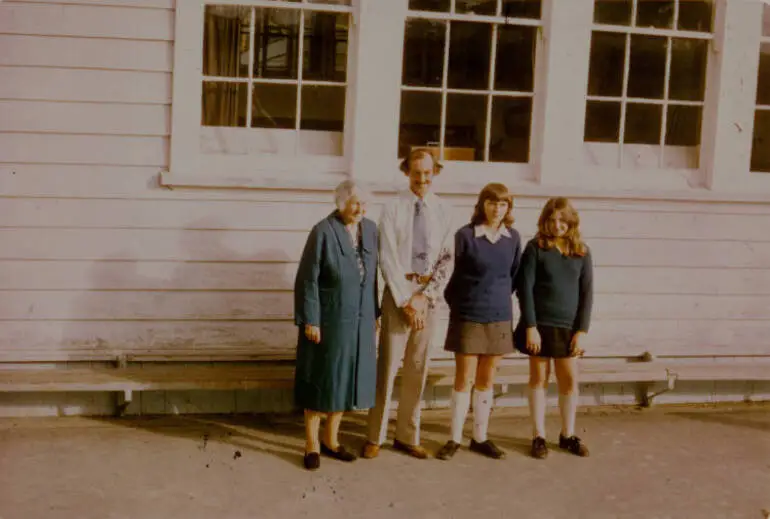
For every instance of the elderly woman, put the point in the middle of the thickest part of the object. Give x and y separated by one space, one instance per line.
336 310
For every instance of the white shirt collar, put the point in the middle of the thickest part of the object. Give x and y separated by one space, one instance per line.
428 200
492 235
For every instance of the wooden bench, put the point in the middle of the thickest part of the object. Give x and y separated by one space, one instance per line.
125 378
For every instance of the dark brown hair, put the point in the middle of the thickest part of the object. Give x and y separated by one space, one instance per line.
417 154
546 240
496 193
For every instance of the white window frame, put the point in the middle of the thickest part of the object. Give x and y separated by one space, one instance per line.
458 172
189 166
556 164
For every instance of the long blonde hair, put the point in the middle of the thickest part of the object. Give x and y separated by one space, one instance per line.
546 240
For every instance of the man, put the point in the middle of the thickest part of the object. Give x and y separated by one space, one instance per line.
416 258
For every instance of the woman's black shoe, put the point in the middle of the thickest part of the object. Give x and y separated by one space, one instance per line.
448 450
488 449
312 460
341 453
539 448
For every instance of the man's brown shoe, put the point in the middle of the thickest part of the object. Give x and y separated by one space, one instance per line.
370 450
416 451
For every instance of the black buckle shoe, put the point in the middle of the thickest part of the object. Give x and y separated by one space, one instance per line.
488 449
574 445
341 453
539 448
449 449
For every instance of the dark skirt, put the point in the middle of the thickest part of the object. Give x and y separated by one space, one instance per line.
479 338
554 342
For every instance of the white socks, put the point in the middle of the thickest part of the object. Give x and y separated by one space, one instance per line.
537 411
482 407
461 401
568 409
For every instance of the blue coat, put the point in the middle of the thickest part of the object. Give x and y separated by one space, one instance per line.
339 374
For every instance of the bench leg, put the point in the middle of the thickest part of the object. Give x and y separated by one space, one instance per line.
644 394
124 399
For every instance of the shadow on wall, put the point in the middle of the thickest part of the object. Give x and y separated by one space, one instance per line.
200 297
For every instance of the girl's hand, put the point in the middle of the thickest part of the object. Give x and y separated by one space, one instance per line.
575 349
533 340
313 333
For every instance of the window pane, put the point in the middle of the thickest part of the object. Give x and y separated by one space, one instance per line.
326 46
648 67
515 61
766 21
688 69
683 125
429 5
655 13
469 55
602 122
605 72
274 106
224 104
763 84
423 53
486 7
613 12
466 118
511 121
643 123
276 43
760 149
521 8
420 121
695 15
323 108
226 41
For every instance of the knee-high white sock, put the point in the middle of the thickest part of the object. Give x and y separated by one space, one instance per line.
537 411
568 410
482 407
461 401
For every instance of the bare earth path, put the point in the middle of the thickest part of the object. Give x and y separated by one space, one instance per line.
673 462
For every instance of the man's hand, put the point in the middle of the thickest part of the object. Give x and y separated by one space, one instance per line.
416 311
313 333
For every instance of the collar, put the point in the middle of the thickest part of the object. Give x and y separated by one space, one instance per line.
492 236
429 199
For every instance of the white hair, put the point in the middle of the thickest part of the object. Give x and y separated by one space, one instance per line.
346 190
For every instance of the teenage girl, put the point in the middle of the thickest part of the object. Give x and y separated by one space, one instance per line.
555 292
487 255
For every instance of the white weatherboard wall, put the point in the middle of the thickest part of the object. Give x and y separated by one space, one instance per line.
97 259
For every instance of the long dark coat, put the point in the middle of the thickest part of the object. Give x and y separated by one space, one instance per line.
339 374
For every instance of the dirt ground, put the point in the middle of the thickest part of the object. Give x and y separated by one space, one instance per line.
668 462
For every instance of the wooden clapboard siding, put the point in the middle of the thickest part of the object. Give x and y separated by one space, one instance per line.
85 53
90 86
267 305
255 276
97 259
598 223
280 245
67 118
83 21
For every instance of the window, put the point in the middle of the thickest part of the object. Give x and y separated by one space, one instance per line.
646 83
468 78
760 149
268 90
